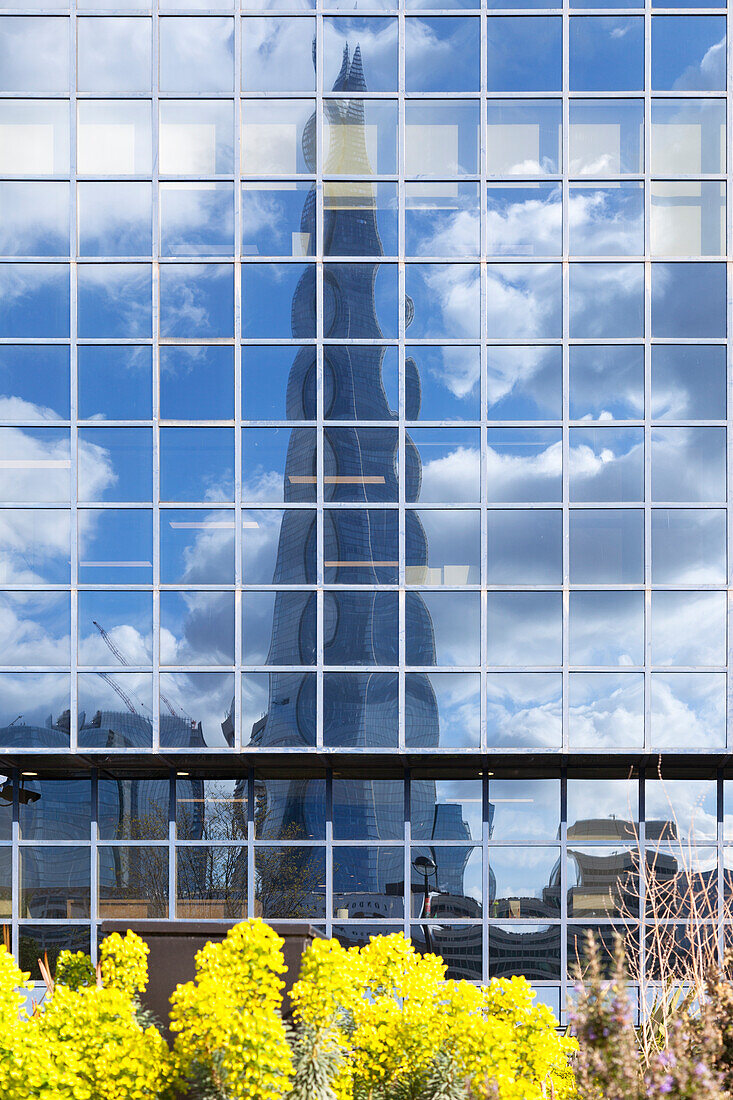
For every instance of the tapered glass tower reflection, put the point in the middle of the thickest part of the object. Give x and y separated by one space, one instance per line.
360 467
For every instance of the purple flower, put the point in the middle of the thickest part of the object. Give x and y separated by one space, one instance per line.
665 1085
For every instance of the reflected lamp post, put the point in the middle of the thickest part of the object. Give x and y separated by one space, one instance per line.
425 866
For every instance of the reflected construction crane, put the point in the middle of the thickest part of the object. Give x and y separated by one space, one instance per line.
123 661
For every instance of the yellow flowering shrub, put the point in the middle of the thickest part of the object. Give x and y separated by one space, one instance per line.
99 1048
74 968
230 1037
84 1043
396 1015
123 963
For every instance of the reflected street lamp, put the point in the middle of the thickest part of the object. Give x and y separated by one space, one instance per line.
425 866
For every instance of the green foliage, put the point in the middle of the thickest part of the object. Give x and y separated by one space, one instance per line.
317 1061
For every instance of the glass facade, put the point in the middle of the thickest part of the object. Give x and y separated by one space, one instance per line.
363 455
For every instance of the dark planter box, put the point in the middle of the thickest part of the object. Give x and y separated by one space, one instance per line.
173 946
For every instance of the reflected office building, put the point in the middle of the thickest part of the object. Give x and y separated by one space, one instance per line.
364 475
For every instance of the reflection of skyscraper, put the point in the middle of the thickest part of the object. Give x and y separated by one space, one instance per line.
360 467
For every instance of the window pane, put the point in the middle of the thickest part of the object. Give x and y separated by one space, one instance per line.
133 809
606 54
524 628
290 881
688 464
524 301
442 710
688 300
132 882
196 137
442 219
114 137
115 219
441 137
688 628
688 546
525 547
115 464
34 713
607 221
197 628
266 393
431 46
28 370
360 546
524 219
115 546
62 811
524 54
360 628
524 809
360 710
290 809
196 55
34 219
127 621
196 383
524 383
211 882
443 628
114 383
620 287
605 710
606 464
687 219
606 136
115 300
442 547
606 546
34 301
524 709
376 41
446 299
211 809
607 383
36 464
604 809
34 546
524 464
114 55
368 809
272 136
277 54
34 54
688 382
55 881
196 707
279 301
197 464
34 137
606 628
274 218
197 300
196 546
688 136
688 53
266 640
196 219
524 138
523 880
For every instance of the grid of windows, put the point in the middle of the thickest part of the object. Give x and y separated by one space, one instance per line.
488 871
363 385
